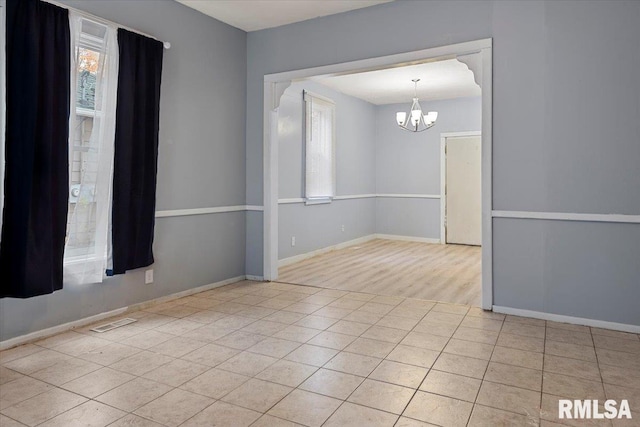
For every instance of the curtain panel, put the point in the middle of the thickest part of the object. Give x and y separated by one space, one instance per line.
136 151
36 147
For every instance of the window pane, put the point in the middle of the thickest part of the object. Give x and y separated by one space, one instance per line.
88 62
82 205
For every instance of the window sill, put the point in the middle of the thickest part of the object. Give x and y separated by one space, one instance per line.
318 201
79 270
77 260
86 112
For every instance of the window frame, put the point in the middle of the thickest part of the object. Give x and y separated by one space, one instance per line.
308 99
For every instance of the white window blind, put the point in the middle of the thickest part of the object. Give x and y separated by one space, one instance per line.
320 148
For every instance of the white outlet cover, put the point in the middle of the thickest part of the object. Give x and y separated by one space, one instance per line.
148 276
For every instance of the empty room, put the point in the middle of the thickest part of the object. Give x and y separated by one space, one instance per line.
319 213
362 204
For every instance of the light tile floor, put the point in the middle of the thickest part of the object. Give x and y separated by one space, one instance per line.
273 354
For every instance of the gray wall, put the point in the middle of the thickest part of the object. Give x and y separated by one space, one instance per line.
566 129
201 164
378 158
409 163
372 156
319 226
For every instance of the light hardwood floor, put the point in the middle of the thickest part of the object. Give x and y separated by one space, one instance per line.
450 273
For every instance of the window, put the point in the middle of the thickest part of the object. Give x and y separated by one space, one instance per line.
81 219
319 149
91 142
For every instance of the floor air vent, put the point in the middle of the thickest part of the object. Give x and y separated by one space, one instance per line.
113 325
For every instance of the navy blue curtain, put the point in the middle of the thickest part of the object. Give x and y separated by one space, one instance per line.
136 151
37 134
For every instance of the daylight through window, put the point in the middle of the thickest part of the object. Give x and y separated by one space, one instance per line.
319 148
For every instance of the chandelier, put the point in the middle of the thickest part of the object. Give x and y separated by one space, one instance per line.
415 120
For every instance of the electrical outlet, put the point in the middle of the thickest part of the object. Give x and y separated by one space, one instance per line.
148 277
293 240
342 227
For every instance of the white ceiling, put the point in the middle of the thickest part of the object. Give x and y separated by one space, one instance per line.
438 80
253 15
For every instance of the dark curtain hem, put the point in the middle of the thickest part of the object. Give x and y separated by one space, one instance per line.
37 135
136 151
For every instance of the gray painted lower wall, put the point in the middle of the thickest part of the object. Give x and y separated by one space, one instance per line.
254 250
408 217
579 269
190 251
320 226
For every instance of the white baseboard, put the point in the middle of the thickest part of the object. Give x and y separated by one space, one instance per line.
301 257
44 333
407 238
254 278
635 329
186 293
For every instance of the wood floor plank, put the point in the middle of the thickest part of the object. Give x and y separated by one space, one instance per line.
450 273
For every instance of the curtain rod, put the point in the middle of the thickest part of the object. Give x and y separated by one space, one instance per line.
88 15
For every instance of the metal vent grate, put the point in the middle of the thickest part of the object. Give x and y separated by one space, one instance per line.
113 325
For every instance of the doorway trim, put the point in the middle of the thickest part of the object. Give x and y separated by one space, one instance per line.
477 55
443 177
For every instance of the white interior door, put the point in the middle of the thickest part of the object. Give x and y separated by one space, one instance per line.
463 190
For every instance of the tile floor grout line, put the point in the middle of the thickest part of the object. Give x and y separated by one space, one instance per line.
240 385
484 380
543 371
432 365
368 375
297 387
376 310
604 389
475 400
